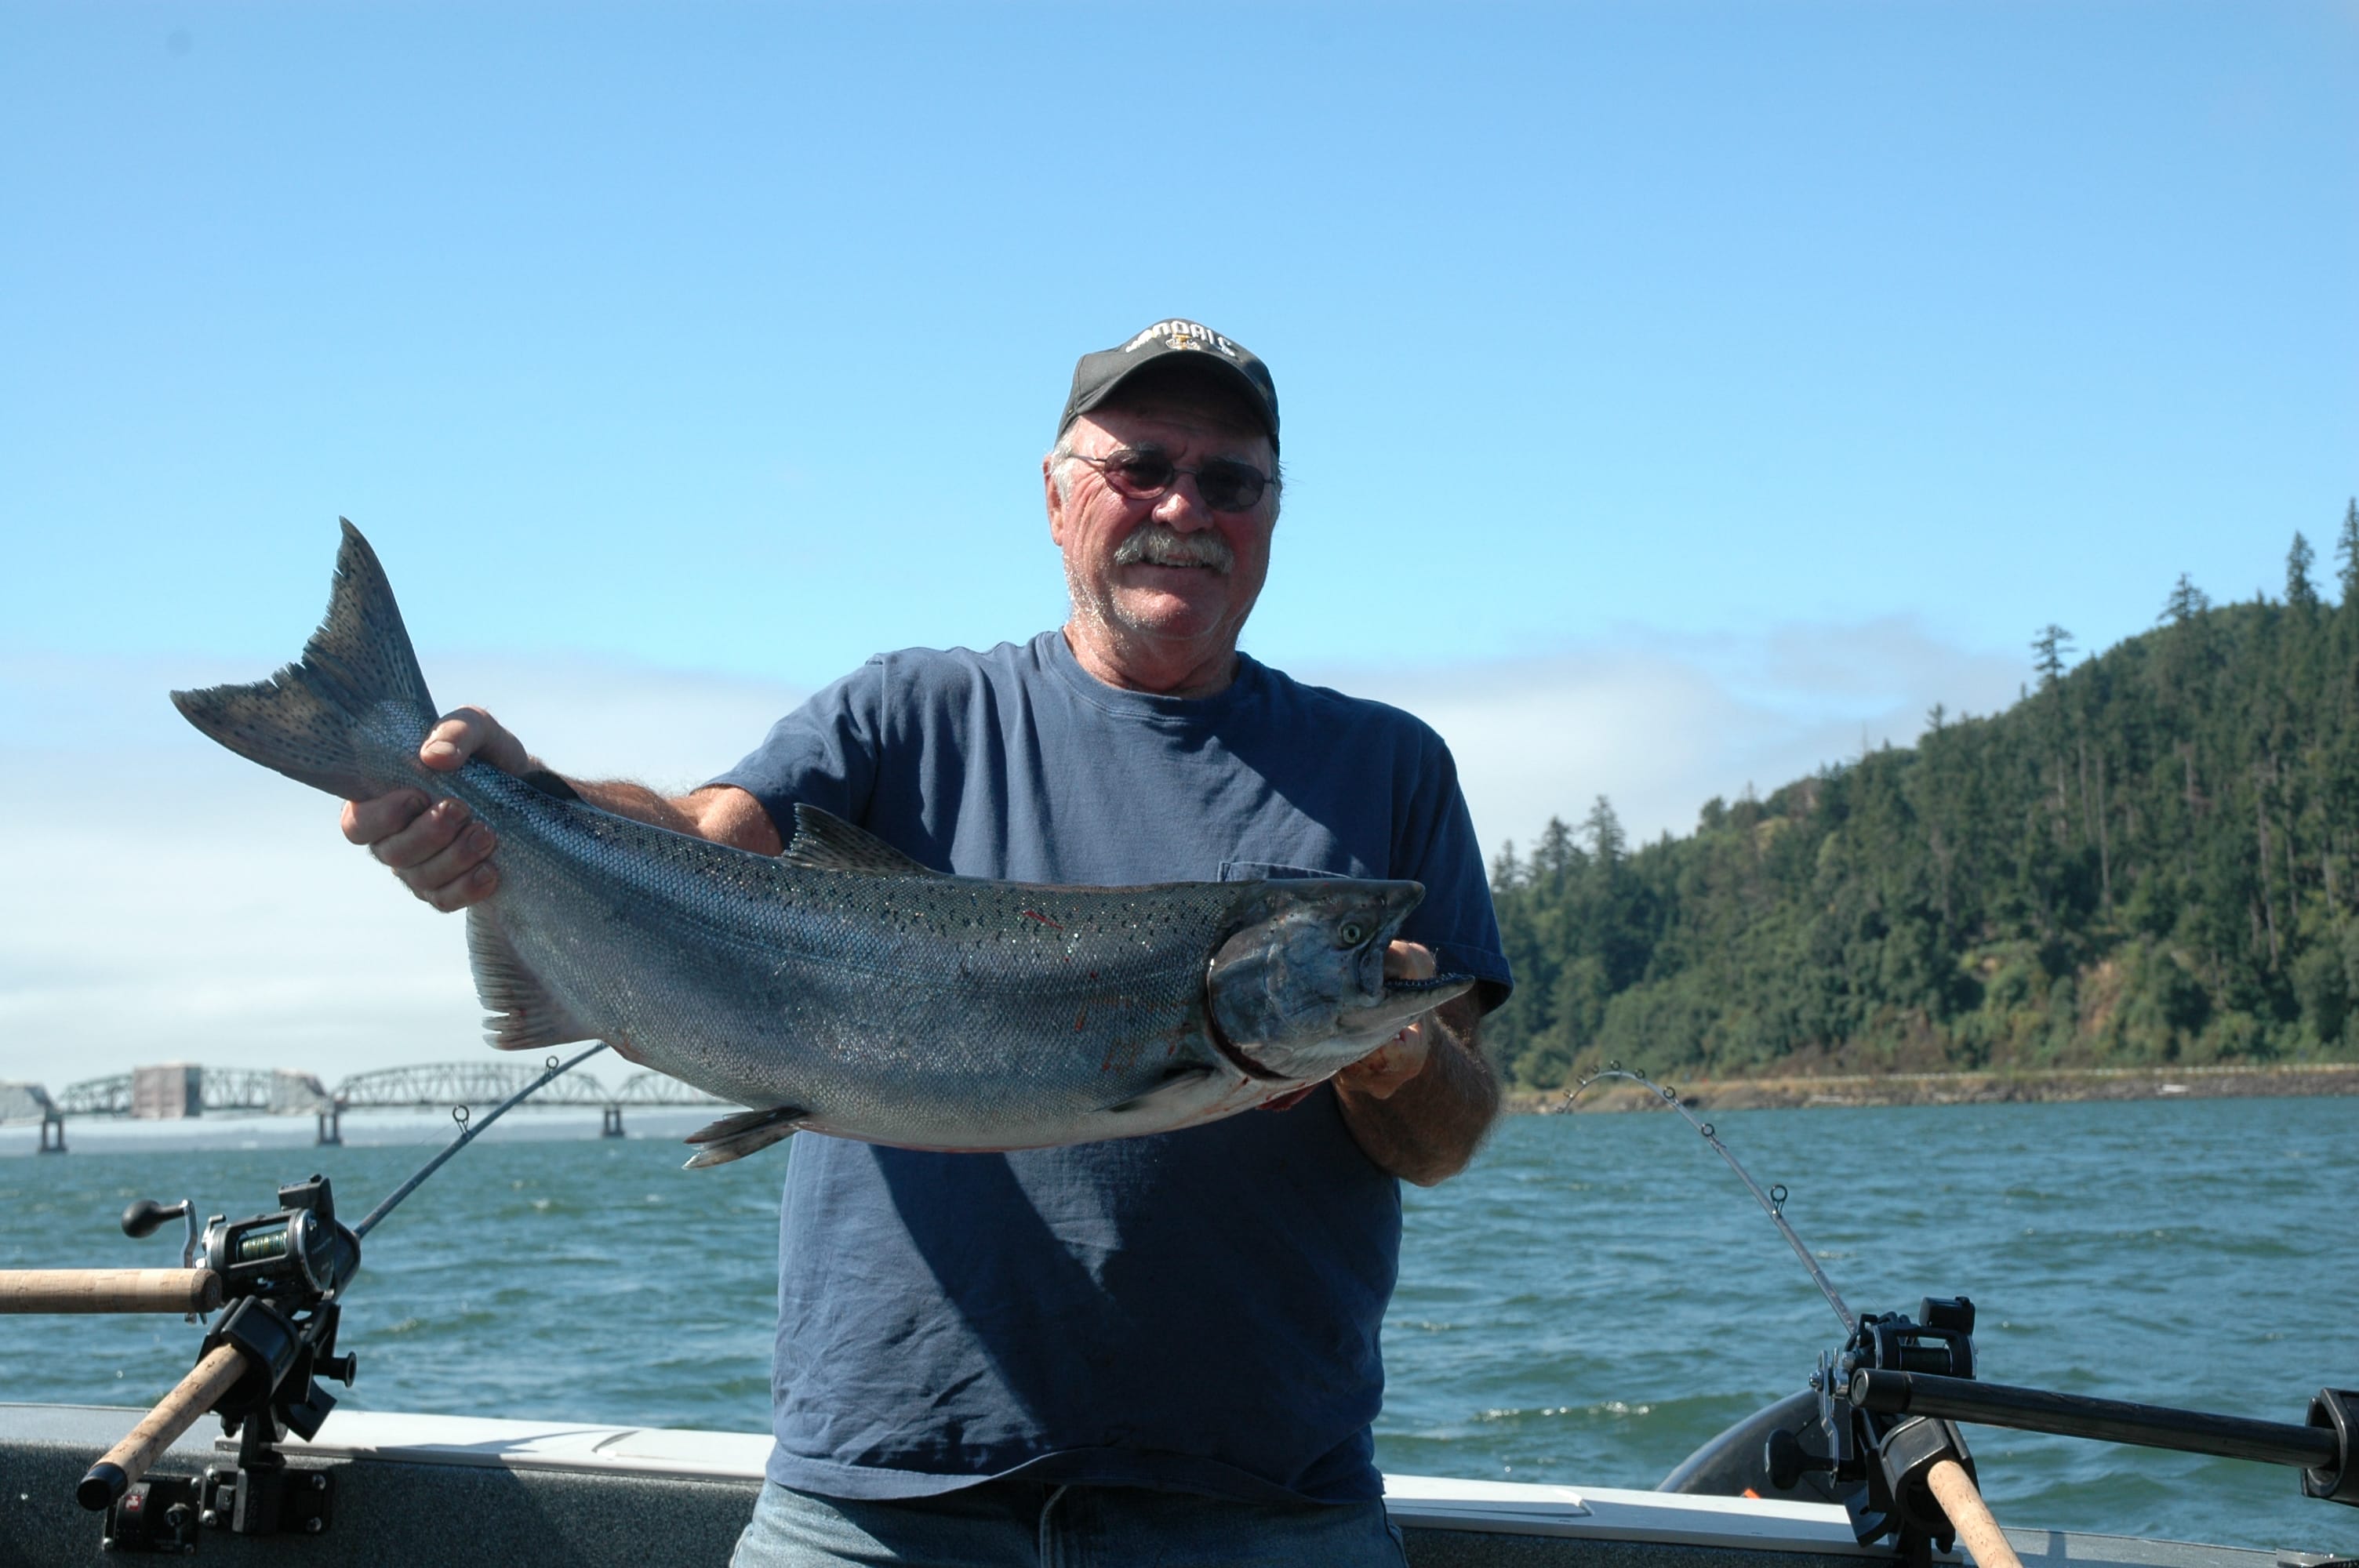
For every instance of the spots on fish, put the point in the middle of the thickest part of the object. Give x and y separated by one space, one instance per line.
1080 1019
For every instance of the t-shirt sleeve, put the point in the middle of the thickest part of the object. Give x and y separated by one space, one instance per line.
824 754
1438 848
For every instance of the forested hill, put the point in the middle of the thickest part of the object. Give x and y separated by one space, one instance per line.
2149 858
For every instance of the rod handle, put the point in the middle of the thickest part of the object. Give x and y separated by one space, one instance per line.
109 1290
1959 1498
177 1411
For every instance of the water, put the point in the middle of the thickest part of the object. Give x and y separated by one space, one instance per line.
1595 1299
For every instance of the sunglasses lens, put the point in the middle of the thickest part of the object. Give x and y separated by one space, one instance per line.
1141 474
1229 487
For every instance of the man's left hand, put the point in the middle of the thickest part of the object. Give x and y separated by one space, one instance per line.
1380 1073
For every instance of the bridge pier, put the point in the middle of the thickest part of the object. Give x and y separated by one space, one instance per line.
331 1126
610 1124
53 1134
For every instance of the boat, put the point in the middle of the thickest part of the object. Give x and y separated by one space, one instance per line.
435 1489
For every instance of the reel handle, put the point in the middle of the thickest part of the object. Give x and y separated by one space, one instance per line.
124 1464
1962 1501
146 1216
109 1290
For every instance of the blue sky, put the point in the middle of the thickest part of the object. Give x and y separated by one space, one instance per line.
1677 396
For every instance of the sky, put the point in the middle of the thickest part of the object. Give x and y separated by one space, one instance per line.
1678 397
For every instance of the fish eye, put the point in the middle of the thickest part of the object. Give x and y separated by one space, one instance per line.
1351 933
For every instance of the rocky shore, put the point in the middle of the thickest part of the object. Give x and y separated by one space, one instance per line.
1961 1089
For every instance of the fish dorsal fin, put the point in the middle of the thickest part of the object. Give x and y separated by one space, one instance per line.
826 842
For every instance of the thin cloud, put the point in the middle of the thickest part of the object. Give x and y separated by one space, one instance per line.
1660 723
190 906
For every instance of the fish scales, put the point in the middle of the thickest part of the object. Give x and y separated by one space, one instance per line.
843 987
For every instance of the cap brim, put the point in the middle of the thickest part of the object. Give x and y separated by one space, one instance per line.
1250 395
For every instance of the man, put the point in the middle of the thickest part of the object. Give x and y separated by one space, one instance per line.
1155 1349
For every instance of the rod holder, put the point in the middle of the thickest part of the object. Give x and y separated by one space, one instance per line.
207 1382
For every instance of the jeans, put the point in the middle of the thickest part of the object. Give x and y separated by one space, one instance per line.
1005 1524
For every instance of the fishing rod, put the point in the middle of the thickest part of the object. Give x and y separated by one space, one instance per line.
1772 1202
467 1132
1887 1403
282 1276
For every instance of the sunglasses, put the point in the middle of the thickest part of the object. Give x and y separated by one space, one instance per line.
1142 473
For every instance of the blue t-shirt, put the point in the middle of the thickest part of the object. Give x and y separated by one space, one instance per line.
1196 1310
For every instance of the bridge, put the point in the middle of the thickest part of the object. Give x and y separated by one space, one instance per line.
181 1090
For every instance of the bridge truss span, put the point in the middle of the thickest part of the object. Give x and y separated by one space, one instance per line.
436 1083
25 1102
182 1089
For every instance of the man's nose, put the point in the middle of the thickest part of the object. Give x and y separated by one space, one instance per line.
1182 506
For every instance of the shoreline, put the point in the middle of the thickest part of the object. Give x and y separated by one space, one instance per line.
1995 1087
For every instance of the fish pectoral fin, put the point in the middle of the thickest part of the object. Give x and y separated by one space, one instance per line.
523 1015
826 842
1176 1084
747 1132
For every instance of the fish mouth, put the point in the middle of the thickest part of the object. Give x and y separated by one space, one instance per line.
1404 1000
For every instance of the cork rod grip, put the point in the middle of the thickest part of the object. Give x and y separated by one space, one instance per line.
1979 1534
109 1290
128 1460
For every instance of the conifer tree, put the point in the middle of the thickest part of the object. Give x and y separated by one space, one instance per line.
2300 592
1603 828
2187 602
2049 648
2346 550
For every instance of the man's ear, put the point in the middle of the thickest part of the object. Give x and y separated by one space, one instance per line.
1055 501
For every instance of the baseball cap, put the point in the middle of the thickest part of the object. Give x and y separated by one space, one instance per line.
1097 375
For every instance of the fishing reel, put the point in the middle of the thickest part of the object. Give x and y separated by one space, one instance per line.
295 1254
279 1276
1880 1465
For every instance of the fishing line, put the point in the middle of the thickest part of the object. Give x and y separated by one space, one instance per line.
468 1130
1773 1202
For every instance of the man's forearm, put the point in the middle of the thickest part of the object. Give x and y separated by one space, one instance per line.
1429 1128
717 812
635 801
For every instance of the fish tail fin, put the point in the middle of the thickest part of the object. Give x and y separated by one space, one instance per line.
338 719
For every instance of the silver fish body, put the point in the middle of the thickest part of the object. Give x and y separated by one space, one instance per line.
844 987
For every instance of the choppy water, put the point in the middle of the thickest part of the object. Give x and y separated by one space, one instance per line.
1596 1298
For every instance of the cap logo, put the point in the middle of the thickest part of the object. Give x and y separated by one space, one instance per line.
1177 334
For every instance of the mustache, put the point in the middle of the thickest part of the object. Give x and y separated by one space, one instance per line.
1158 545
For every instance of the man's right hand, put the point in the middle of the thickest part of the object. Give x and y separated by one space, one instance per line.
435 847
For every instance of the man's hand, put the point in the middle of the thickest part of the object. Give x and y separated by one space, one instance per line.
444 856
1420 1105
1380 1073
435 847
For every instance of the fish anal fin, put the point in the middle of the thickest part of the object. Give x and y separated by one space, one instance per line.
522 1014
746 1132
826 842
